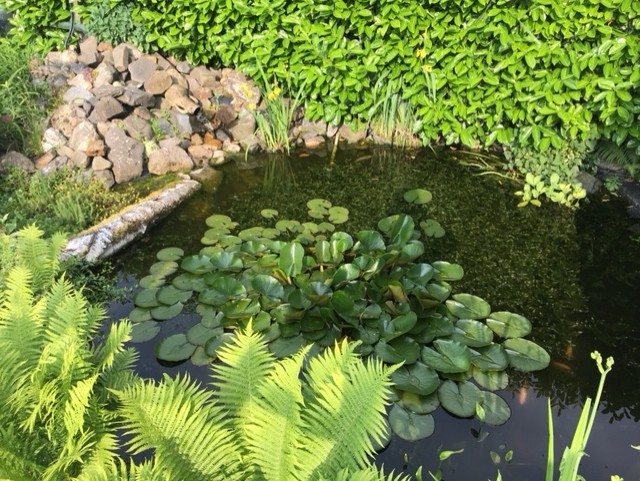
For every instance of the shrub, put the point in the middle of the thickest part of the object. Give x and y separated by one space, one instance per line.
111 21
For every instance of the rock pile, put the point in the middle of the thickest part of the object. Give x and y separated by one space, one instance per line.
125 113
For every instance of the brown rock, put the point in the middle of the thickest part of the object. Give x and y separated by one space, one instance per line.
85 139
77 95
103 127
106 108
178 97
178 78
44 159
66 117
121 57
134 97
89 54
108 90
142 112
201 154
104 74
105 176
208 177
245 94
172 159
78 159
142 69
83 80
225 115
219 158
244 126
205 77
196 139
212 141
183 67
104 47
162 62
158 82
126 154
100 163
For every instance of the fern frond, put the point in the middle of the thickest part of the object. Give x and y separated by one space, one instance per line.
367 474
18 461
188 432
612 153
346 413
38 255
77 405
100 464
274 426
105 354
120 375
74 453
147 471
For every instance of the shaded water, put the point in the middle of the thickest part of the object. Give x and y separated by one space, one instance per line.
575 275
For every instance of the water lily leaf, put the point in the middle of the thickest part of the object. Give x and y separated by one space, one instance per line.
366 335
140 314
269 213
292 226
318 204
418 196
286 313
332 336
291 258
399 325
200 358
467 306
407 348
210 316
253 247
318 293
239 309
251 233
149 282
222 289
261 321
163 268
289 330
169 295
417 378
268 286
345 273
219 220
411 251
174 348
212 236
417 403
227 262
438 290
447 357
306 238
310 227
491 380
314 336
312 324
398 228
286 346
410 426
432 228
146 298
144 331
383 441
188 282
343 303
387 353
496 411
215 343
270 233
436 326
459 399
199 335
197 264
472 333
323 252
526 355
490 358
338 215
420 273
369 241
229 240
326 227
509 325
372 311
162 313
447 271
170 254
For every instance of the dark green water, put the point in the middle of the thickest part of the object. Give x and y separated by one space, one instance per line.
575 275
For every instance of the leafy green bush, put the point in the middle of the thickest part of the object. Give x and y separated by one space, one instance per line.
111 21
23 102
39 24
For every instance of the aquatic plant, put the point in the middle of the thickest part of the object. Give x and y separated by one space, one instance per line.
307 282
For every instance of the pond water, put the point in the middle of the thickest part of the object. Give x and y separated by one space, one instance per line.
575 275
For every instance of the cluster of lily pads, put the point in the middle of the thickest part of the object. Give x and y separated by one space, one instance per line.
301 283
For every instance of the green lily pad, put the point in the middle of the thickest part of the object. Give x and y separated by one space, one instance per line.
509 325
286 225
418 196
261 321
200 358
170 254
436 326
199 335
495 410
169 295
416 378
140 314
491 380
490 358
251 233
219 220
162 313
319 204
447 357
221 290
149 282
268 286
227 262
526 355
215 343
269 213
338 215
407 348
163 268
188 282
417 403
432 228
144 331
291 258
146 298
447 271
472 333
270 233
411 251
253 247
367 335
467 306
398 228
381 444
345 273
459 399
174 348
410 426
399 325
197 264
286 346
326 227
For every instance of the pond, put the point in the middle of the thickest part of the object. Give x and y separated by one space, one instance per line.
574 274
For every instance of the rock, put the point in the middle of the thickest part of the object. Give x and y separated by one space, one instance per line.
59 162
77 158
103 127
178 98
332 130
44 159
208 177
219 158
164 127
245 93
352 136
251 143
183 124
106 177
589 183
85 138
226 115
178 78
138 128
231 147
126 154
100 163
83 80
142 69
134 97
108 90
69 56
183 67
196 139
222 135
162 62
314 141
89 54
212 141
199 92
206 78
16 159
107 57
170 142
172 159
201 154
244 126
77 95
52 139
106 108
104 74
158 82
121 57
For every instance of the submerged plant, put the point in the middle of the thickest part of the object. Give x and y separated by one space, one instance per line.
308 282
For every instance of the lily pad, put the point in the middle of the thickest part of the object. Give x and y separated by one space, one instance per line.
410 426
292 226
416 378
219 220
269 213
174 348
417 403
140 314
227 262
163 268
162 313
338 215
432 228
509 325
286 346
490 358
146 298
268 286
215 343
199 335
459 399
222 289
472 333
345 273
467 306
491 380
144 331
197 264
326 227
291 258
496 411
170 254
418 196
447 271
200 358
169 295
151 281
447 357
188 282
526 355
407 348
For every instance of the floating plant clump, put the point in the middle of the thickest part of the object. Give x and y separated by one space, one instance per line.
302 283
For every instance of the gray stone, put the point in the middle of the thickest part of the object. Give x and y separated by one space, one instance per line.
121 57
170 142
126 155
201 154
222 135
18 160
158 82
77 95
245 94
182 123
138 128
44 159
85 138
352 136
89 54
172 159
178 98
206 78
183 67
100 163
59 162
104 74
231 147
199 92
589 183
106 177
52 139
83 80
106 108
165 127
134 97
108 90
142 69
244 126
162 62
77 158
178 78
225 115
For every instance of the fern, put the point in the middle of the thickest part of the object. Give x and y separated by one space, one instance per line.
612 153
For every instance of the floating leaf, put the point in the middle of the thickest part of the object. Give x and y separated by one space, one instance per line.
144 331
140 314
495 410
338 215
268 286
326 227
227 262
509 325
411 251
200 358
407 348
289 225
467 306
399 325
418 196
526 355
287 346
369 241
448 357
447 271
432 228
416 378
490 358
215 343
146 298
252 233
417 403
197 264
398 228
189 282
410 426
162 313
149 282
491 380
345 273
459 399
170 254
163 268
169 295
291 258
219 220
174 348
199 334
269 213
472 333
